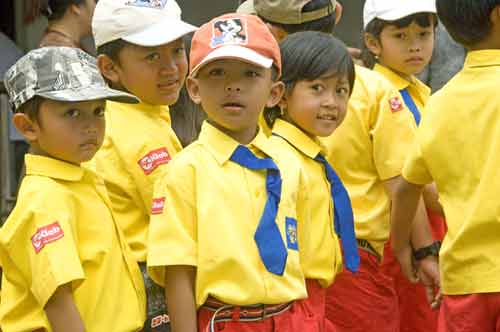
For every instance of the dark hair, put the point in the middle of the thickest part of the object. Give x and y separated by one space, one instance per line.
467 21
325 24
376 26
307 56
55 9
31 108
113 48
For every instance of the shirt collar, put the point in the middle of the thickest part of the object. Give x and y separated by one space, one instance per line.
145 108
222 146
53 168
399 82
482 58
297 138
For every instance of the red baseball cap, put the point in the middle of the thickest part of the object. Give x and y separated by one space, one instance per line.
235 36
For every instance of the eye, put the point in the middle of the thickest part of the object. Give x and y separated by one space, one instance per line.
99 112
72 113
400 35
317 87
216 72
252 73
425 34
342 91
180 50
153 57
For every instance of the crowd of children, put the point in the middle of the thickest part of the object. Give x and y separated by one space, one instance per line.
314 198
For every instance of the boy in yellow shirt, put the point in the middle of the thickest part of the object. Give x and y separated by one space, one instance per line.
66 265
457 147
223 237
140 50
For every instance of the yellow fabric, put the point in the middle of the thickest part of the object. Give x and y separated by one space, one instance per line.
320 253
369 147
419 92
133 132
90 253
457 146
212 209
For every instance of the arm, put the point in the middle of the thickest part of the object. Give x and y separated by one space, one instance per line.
431 199
62 312
179 291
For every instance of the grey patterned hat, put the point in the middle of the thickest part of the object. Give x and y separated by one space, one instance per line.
59 73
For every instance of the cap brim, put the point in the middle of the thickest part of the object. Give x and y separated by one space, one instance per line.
247 8
237 53
89 94
161 33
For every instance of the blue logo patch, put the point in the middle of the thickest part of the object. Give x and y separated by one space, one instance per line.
231 31
291 234
155 4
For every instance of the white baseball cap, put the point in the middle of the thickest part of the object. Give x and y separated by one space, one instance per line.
392 10
140 22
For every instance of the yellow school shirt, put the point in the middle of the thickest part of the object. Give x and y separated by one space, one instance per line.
419 92
139 144
370 147
212 207
320 253
457 146
62 231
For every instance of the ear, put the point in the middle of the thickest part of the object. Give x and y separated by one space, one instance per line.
278 32
495 16
193 88
26 126
109 69
75 9
277 91
372 43
338 12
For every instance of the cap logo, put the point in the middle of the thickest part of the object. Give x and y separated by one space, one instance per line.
155 4
232 31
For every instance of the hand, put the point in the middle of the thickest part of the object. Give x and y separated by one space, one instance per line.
405 258
428 273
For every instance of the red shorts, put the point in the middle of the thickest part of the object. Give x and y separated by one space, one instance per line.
470 313
295 319
315 305
365 301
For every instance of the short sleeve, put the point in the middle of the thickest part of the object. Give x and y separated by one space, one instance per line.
415 169
173 224
393 132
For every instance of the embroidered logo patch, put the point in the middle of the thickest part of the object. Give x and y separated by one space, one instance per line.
155 4
45 235
291 234
158 205
396 104
154 159
159 320
231 31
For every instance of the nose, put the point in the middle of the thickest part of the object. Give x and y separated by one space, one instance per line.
415 46
330 100
168 66
232 84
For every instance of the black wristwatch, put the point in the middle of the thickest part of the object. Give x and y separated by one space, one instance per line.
432 250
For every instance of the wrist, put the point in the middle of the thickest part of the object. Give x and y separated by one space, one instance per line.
430 250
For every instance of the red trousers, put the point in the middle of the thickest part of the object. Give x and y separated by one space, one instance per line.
470 313
315 305
365 301
415 312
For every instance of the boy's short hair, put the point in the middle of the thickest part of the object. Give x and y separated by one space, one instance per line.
235 36
468 22
294 16
58 73
141 22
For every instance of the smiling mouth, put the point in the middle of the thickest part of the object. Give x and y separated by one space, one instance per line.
327 117
233 106
168 85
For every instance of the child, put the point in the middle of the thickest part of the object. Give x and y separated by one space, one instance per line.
141 51
399 39
223 236
318 73
66 264
457 148
368 160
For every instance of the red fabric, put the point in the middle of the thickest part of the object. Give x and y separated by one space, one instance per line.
470 313
365 301
294 320
315 305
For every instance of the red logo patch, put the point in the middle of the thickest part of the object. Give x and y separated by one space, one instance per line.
154 159
157 206
396 104
159 320
45 235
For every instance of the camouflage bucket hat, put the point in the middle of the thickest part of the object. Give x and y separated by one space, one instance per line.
59 73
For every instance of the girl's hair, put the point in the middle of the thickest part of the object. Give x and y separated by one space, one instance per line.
55 9
376 26
307 56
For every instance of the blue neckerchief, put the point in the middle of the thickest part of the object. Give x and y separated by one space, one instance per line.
411 105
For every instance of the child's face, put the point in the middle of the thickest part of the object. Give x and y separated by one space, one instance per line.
154 74
406 50
233 93
72 132
318 107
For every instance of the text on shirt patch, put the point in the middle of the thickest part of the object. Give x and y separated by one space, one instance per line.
396 104
158 205
45 235
291 234
154 159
